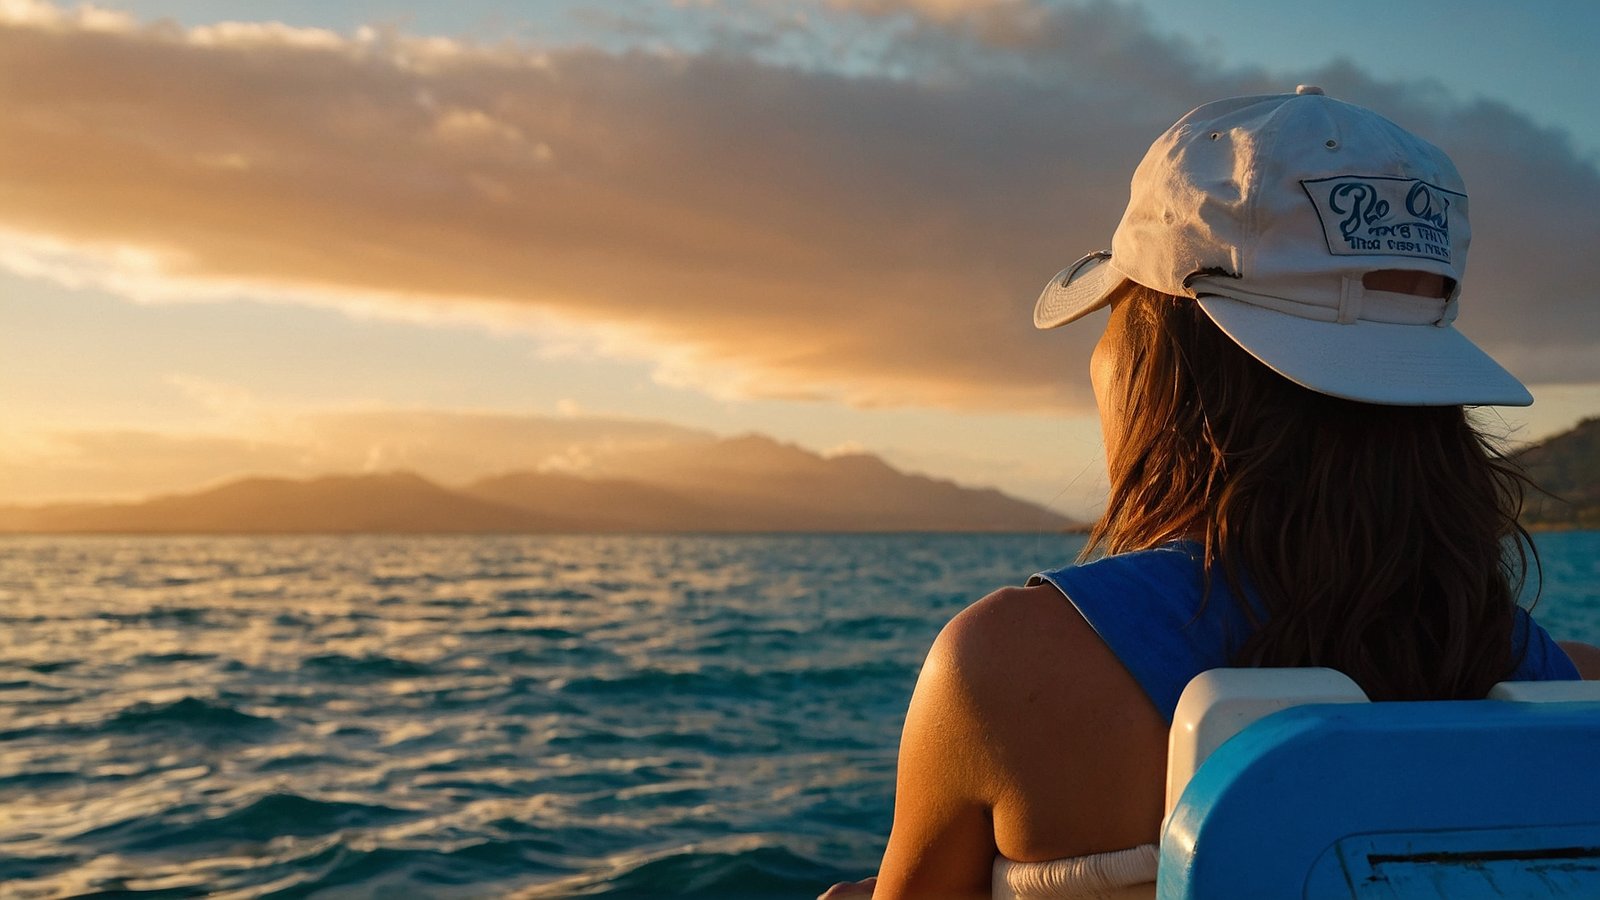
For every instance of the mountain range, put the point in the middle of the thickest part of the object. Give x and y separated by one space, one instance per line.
744 484
1566 469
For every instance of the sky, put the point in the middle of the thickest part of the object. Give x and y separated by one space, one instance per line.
466 238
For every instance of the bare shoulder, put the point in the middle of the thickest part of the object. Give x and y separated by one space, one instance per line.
1012 615
1585 656
1020 646
1014 637
1074 749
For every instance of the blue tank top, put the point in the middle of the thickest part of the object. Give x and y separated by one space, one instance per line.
1146 606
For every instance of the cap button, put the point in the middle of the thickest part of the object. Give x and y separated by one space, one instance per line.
1307 89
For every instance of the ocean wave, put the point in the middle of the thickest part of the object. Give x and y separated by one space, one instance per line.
543 633
163 615
759 872
339 667
695 716
186 719
189 713
545 595
38 778
271 817
712 681
159 659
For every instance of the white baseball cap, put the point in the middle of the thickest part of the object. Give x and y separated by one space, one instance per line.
1270 211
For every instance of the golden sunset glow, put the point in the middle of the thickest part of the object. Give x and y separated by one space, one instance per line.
251 247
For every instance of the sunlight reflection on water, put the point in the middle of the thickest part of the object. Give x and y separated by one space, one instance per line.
461 716
484 716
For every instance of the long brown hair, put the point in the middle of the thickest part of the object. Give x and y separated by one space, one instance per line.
1373 537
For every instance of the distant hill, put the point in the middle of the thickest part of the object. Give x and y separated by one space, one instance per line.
1568 467
344 504
753 483
608 504
745 484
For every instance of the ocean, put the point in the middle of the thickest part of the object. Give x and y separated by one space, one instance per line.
485 716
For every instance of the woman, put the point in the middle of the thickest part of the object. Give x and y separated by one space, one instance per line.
1294 482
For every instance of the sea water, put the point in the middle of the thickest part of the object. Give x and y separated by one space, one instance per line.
485 716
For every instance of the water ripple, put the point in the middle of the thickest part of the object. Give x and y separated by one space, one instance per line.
483 716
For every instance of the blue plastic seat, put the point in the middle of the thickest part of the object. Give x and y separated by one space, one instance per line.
1349 799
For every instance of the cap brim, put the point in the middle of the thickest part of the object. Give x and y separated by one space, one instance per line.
1372 362
1077 290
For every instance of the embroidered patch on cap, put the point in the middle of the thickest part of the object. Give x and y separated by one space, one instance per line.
1383 216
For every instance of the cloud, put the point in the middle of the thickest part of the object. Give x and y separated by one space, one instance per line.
457 446
225 402
129 464
450 446
754 228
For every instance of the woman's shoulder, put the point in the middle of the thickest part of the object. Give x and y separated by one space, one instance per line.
1585 658
1001 632
1076 634
1061 718
1158 613
1021 646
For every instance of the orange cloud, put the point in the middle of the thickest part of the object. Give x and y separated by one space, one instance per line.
755 229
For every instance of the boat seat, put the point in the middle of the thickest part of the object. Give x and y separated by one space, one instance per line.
1288 783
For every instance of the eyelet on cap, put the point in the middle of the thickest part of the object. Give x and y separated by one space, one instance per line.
1304 89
